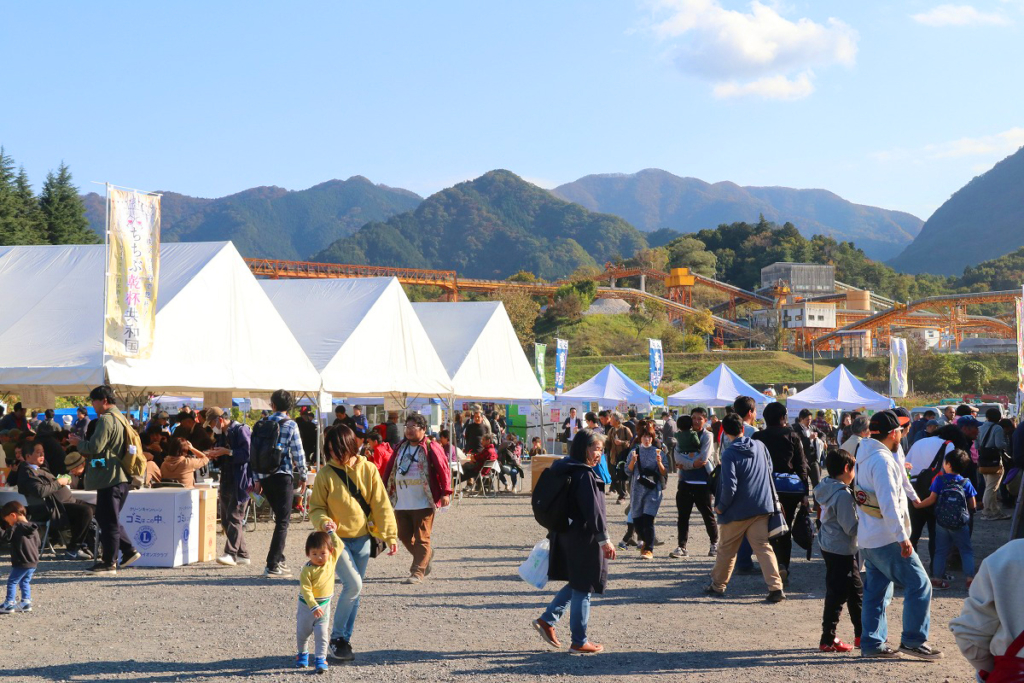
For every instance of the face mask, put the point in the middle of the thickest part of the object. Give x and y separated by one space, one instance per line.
218 430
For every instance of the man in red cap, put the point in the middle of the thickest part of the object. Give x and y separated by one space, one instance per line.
883 536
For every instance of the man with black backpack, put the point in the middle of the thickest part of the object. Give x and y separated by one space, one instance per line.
277 457
104 452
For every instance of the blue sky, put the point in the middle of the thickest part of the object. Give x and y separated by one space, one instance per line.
894 104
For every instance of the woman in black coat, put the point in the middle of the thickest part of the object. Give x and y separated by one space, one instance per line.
579 555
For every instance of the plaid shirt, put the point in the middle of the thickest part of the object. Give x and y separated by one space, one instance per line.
292 446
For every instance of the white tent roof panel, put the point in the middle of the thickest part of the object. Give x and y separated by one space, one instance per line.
839 390
215 329
480 350
362 335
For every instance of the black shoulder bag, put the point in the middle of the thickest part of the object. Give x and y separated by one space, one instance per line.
377 546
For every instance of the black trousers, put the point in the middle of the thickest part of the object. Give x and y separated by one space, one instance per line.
645 530
113 536
79 517
919 520
843 586
277 488
688 495
783 545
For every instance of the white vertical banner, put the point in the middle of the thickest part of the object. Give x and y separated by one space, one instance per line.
133 269
657 362
898 383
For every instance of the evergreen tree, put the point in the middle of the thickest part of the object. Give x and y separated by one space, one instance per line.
28 210
63 210
10 226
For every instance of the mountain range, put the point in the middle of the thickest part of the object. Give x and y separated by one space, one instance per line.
653 199
982 220
270 222
491 227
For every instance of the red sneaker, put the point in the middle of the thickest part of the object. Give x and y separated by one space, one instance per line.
836 646
856 643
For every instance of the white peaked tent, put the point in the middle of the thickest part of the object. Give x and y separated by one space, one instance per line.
840 390
362 336
215 329
719 388
610 387
480 350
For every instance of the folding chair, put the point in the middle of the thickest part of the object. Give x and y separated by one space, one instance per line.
488 478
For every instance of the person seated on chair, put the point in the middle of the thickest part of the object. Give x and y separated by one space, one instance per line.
49 498
508 458
181 460
486 454
152 469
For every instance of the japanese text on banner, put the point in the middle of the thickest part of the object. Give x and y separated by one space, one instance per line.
538 363
133 255
657 363
561 356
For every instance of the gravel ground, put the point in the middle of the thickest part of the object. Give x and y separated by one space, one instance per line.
469 620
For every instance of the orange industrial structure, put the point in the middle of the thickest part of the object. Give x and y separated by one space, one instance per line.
854 312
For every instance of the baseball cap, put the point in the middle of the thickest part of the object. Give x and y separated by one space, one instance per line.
934 423
902 412
885 421
214 413
967 421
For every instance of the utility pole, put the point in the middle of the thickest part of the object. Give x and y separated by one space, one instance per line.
814 369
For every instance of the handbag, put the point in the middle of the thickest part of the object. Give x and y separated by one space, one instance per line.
776 520
990 458
377 546
803 530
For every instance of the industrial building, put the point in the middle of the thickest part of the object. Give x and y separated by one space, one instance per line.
803 279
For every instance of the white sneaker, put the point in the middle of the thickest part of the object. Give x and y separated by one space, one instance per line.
714 550
226 560
24 607
240 561
678 552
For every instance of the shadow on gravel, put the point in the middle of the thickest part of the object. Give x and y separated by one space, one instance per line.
611 663
268 667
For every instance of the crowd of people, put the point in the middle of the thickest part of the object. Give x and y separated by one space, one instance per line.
872 485
867 489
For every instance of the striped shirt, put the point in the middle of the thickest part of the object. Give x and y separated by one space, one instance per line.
291 443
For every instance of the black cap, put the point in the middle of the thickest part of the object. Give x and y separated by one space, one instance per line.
885 421
901 412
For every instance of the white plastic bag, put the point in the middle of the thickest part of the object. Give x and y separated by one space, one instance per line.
534 570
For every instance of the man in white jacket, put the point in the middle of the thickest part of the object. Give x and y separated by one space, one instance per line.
884 539
993 614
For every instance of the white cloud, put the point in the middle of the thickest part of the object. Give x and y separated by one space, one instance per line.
959 15
756 52
1002 144
769 87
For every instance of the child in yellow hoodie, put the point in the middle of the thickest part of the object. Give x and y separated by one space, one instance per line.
316 588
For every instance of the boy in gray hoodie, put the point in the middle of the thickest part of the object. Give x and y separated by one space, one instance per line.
838 541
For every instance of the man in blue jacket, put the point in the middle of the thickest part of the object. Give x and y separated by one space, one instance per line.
744 502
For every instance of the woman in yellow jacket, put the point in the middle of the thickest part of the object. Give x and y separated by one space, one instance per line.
342 490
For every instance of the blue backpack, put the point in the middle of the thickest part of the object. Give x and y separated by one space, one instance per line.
951 507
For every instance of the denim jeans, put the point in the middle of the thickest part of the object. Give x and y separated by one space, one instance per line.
20 577
350 570
884 566
945 539
578 617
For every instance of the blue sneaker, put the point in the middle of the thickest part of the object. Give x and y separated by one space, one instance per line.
321 665
302 660
7 608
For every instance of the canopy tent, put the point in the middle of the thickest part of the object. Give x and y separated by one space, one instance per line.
719 388
480 350
361 335
840 390
611 387
215 328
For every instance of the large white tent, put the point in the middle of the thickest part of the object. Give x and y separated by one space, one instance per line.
719 388
840 390
480 350
609 387
362 336
215 328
